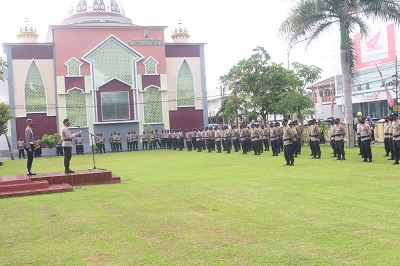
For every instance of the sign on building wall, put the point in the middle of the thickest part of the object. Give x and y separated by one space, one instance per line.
378 48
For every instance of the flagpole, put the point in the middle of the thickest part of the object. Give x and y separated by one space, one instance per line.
397 101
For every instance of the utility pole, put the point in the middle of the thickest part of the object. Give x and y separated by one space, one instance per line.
290 48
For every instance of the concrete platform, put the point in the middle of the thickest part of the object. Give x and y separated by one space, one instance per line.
21 185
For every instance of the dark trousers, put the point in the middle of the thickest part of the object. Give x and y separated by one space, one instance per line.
79 149
59 151
275 147
181 143
366 149
135 145
266 144
396 150
29 154
189 144
228 145
218 143
256 147
334 147
194 143
21 153
359 144
244 146
288 152
208 144
174 143
67 157
144 144
386 141
312 148
199 145
340 148
391 148
295 148
317 149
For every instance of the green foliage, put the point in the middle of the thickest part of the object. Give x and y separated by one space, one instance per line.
259 84
50 140
5 116
149 129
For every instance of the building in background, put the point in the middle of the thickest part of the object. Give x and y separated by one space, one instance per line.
105 74
375 54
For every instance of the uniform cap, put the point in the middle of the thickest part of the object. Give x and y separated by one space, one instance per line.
29 120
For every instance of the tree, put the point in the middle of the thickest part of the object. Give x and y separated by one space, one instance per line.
5 116
229 108
309 18
259 83
3 65
50 141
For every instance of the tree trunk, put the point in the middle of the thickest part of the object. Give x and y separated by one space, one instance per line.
9 146
346 79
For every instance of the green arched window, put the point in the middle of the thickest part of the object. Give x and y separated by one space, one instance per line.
35 92
185 86
75 102
152 100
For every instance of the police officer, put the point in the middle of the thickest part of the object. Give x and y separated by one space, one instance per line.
396 137
67 144
255 137
21 148
119 142
314 138
59 149
29 145
339 133
244 136
365 135
143 137
188 137
218 139
79 144
332 138
228 139
135 140
287 138
274 139
386 127
102 141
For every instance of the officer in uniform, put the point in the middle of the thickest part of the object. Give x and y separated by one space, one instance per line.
157 138
188 137
102 140
365 135
180 139
218 139
339 133
129 141
244 136
199 139
314 137
29 145
274 139
135 140
386 127
21 148
143 137
265 135
255 137
391 138
235 138
396 137
112 144
287 137
67 144
295 139
59 149
79 144
332 138
228 139
119 142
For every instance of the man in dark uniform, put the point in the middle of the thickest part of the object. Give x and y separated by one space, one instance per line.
29 145
287 138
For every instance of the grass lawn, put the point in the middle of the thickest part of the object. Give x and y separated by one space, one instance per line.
182 208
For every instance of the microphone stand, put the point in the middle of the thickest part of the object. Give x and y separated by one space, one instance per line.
91 137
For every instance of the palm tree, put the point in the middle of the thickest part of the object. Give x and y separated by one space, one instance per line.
310 18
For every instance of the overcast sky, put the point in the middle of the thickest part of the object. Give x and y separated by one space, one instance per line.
230 29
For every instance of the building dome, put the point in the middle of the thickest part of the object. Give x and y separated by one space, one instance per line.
27 32
180 34
92 11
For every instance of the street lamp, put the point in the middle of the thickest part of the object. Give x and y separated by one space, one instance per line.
290 48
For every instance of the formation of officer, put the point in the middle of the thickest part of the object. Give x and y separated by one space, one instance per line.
392 137
364 132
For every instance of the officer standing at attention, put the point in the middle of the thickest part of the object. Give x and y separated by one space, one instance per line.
188 137
287 137
102 139
244 135
199 138
59 148
274 139
365 135
255 137
332 139
228 139
21 148
67 144
339 133
218 139
79 144
119 141
396 137
386 127
135 140
314 137
30 149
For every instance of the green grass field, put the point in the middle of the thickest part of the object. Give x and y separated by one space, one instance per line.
182 208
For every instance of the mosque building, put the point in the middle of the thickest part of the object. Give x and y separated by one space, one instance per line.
105 74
